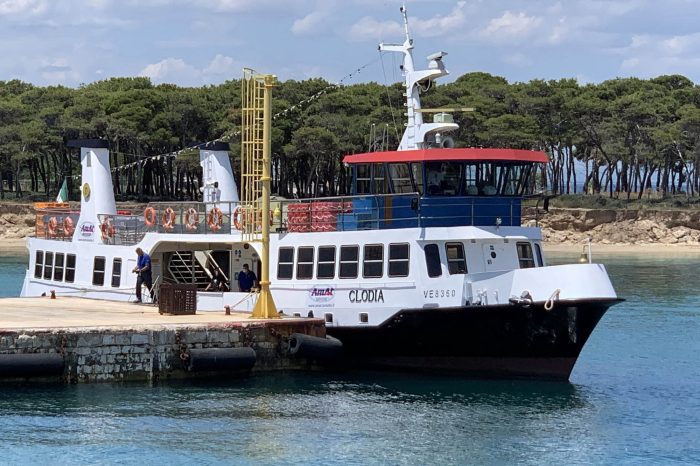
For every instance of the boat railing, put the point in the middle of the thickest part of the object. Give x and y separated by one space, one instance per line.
191 218
55 223
327 214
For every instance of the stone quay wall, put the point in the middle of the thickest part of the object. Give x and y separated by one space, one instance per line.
153 354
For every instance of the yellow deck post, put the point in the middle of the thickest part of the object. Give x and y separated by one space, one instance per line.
256 176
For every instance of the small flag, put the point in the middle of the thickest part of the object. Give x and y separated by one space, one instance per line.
63 193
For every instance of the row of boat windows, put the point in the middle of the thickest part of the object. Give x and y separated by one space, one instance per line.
348 267
60 267
349 264
443 178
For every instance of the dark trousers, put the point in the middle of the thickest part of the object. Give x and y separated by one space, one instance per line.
144 279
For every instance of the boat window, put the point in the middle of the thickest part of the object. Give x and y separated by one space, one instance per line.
58 267
39 264
398 260
116 272
432 260
525 256
456 262
363 178
443 178
285 263
400 178
326 262
417 172
48 265
349 258
378 179
373 261
70 268
305 263
98 271
538 251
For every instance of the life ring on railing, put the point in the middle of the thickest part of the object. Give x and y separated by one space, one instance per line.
258 224
215 219
149 216
107 229
52 226
68 226
168 219
238 218
191 219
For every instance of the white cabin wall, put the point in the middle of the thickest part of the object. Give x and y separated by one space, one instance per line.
216 166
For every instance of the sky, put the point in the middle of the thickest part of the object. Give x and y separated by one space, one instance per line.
200 42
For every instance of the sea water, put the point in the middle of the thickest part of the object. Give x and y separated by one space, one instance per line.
634 398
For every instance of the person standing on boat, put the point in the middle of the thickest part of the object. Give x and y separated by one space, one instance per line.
246 279
143 268
216 193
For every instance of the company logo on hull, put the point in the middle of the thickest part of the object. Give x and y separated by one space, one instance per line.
87 230
321 296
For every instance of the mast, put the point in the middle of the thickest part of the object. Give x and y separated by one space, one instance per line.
417 132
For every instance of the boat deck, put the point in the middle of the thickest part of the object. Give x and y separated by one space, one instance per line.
71 312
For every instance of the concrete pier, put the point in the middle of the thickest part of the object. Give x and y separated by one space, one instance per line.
113 341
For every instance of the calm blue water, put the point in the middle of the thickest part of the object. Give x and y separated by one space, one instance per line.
634 398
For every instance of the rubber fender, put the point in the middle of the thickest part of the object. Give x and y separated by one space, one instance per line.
320 349
31 364
221 359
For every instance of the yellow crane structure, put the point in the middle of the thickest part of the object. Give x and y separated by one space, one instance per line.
256 168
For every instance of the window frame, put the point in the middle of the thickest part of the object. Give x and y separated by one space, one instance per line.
305 263
48 265
96 273
285 263
39 264
450 262
524 261
59 269
117 272
367 263
70 270
345 263
430 262
325 263
406 261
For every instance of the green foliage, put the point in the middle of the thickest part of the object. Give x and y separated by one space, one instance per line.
634 137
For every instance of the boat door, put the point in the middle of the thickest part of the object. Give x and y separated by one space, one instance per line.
495 257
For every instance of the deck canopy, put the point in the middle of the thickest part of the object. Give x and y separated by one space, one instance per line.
463 154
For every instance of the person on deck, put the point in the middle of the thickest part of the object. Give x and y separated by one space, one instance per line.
143 268
218 282
246 279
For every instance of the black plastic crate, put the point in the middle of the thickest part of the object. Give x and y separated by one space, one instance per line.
177 299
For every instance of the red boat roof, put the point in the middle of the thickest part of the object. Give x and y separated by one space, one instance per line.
468 153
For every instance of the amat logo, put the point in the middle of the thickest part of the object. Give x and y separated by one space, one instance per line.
87 229
321 296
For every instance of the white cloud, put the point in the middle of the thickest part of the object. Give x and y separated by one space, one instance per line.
439 25
22 7
653 55
511 26
518 59
309 23
177 71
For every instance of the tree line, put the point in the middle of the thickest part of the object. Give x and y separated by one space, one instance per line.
624 136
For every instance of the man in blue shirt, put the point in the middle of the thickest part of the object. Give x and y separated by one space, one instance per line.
246 279
143 268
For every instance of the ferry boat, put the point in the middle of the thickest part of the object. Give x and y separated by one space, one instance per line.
425 266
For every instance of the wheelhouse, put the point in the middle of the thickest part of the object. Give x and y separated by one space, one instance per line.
455 186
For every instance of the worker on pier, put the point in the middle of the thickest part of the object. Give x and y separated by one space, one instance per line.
143 268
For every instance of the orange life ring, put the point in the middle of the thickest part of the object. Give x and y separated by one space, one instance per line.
52 226
215 219
258 224
107 229
238 218
68 226
191 219
168 219
149 216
